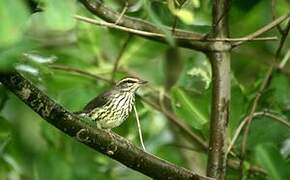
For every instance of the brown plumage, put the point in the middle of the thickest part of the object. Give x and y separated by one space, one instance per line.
110 109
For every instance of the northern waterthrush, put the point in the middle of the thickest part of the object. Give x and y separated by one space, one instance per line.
110 109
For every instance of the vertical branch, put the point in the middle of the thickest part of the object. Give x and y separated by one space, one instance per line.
220 61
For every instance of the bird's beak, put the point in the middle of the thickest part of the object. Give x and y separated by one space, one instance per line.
142 81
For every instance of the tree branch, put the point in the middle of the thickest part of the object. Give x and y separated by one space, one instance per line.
161 36
273 6
262 30
186 39
170 116
220 61
263 86
109 15
256 114
108 143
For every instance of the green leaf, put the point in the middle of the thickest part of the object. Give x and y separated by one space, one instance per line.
186 108
3 97
58 15
196 3
281 94
156 20
13 15
238 106
5 132
268 157
197 74
277 134
184 15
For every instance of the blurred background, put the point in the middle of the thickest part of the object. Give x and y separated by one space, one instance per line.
53 50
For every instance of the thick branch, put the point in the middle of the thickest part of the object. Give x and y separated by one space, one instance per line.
171 116
220 61
109 15
161 36
107 143
138 25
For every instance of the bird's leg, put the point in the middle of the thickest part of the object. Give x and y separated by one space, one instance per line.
89 121
109 131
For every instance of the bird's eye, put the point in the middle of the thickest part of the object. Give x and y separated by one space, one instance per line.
130 81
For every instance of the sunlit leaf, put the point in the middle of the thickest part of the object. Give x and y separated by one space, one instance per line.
196 74
184 15
285 149
196 3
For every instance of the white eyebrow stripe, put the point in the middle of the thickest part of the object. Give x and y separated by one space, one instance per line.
129 79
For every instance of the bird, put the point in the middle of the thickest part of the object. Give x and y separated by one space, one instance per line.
111 108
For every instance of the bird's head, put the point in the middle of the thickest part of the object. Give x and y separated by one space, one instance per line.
129 84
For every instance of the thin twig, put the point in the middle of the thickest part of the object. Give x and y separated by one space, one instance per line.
273 7
236 135
167 113
78 71
122 13
105 142
151 34
110 15
120 55
284 60
263 86
139 128
282 41
263 29
281 120
223 15
171 116
178 122
256 114
175 17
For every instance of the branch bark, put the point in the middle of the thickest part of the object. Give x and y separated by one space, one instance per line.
171 117
107 143
109 15
220 61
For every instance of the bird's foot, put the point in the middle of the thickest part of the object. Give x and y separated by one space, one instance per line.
89 121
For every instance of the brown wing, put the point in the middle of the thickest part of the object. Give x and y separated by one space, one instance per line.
98 101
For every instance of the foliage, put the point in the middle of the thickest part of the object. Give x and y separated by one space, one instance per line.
36 41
